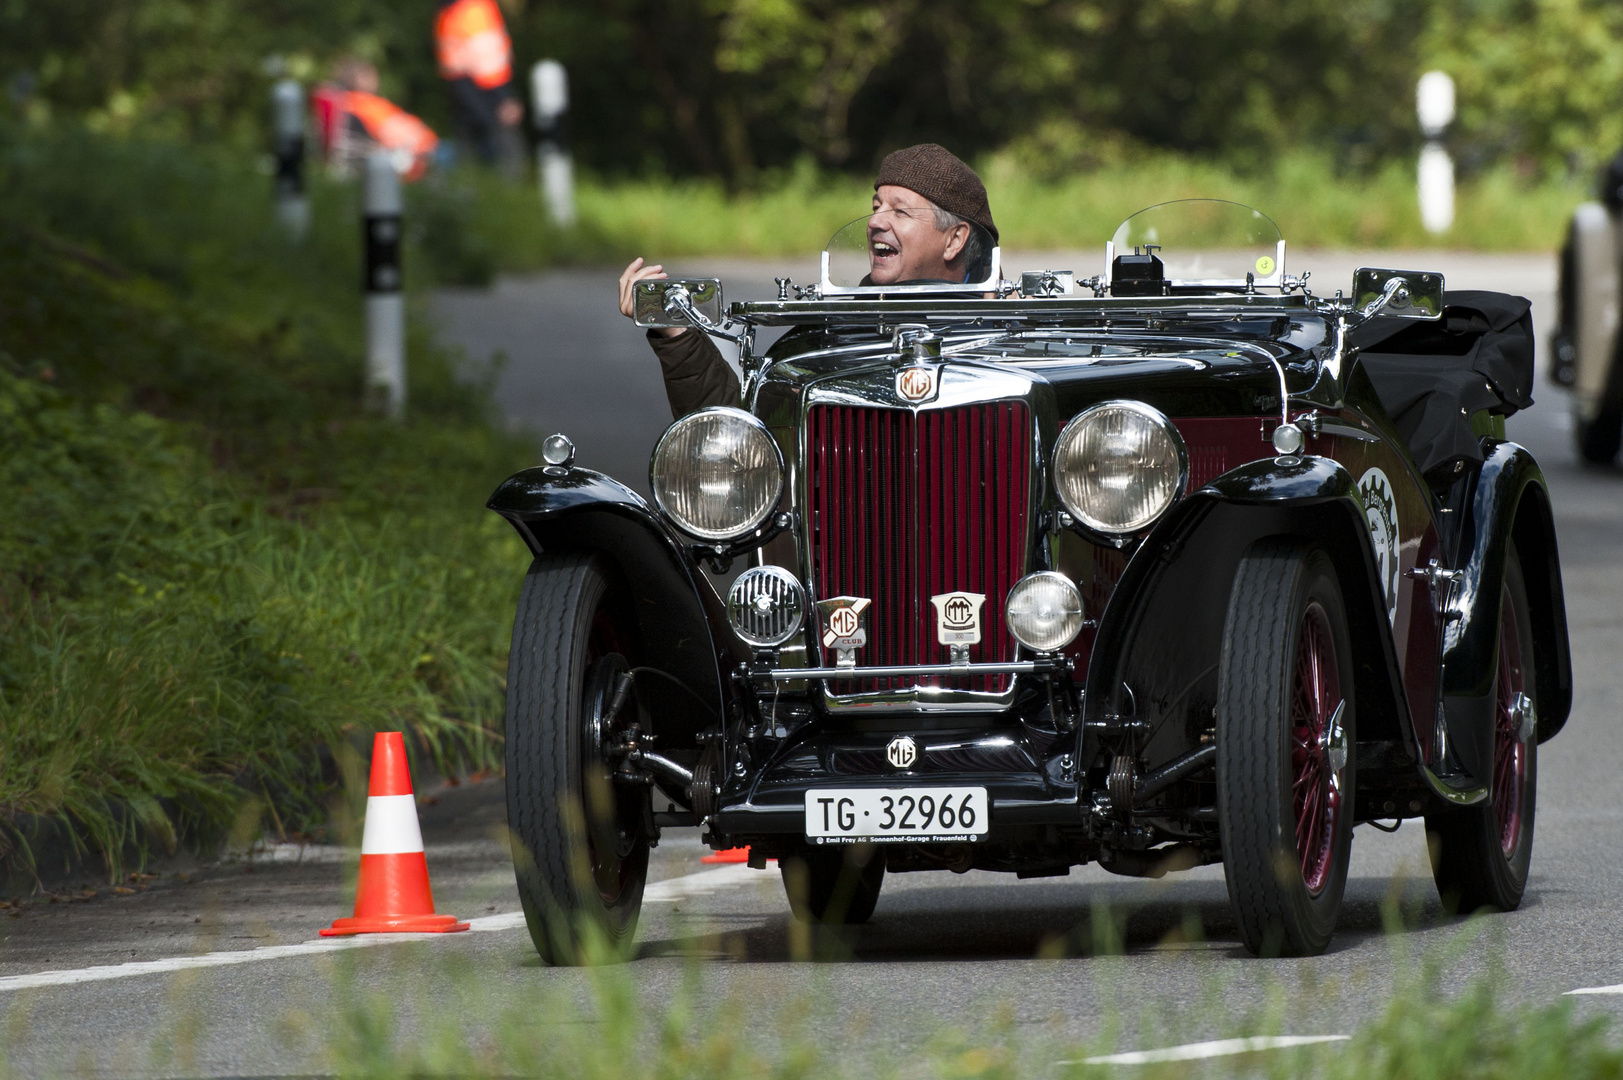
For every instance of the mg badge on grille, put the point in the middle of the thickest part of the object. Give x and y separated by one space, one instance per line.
902 752
845 626
958 622
918 382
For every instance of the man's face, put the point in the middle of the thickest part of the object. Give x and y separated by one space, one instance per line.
904 243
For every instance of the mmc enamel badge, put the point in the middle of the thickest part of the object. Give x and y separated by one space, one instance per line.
958 617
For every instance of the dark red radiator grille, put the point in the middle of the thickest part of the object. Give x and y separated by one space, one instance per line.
905 506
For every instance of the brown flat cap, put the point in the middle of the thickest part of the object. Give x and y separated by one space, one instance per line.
936 173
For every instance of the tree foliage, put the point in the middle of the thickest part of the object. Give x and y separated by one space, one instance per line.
733 87
1538 80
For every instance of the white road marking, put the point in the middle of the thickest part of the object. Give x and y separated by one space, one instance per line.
701 884
1616 989
1216 1048
669 890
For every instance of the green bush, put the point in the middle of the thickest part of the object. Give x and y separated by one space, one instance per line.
216 568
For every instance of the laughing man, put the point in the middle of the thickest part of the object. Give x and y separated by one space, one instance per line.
925 205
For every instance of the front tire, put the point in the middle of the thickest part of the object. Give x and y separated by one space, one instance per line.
1480 855
580 840
834 885
1286 726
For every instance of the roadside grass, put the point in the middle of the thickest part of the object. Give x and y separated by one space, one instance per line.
216 567
612 1021
410 1010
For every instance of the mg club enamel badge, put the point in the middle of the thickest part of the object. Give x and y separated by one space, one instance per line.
845 626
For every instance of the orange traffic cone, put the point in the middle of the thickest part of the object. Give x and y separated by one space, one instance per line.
393 895
728 855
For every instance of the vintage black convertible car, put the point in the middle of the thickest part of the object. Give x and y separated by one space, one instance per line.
1197 567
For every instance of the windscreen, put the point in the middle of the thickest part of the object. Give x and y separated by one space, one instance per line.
1205 242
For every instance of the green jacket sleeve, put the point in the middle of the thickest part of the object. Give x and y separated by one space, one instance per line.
696 376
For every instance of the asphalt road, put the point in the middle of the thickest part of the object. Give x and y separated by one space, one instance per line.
944 955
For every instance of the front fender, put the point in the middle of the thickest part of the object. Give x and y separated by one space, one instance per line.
1511 502
684 642
1160 636
1275 480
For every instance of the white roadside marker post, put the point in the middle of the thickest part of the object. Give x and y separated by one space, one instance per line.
554 165
1434 103
385 305
287 126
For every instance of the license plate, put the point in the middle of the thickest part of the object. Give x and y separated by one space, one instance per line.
887 814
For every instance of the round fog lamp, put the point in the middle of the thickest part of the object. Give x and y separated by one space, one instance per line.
717 473
1045 611
765 606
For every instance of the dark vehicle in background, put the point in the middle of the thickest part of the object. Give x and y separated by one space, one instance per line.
1586 341
1177 565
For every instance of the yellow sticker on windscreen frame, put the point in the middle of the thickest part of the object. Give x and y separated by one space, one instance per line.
1265 265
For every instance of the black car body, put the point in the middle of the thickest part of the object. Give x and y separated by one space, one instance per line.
1314 604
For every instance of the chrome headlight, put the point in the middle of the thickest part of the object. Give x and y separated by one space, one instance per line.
766 606
717 473
1119 465
1044 611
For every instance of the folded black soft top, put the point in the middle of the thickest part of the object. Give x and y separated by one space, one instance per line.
1431 376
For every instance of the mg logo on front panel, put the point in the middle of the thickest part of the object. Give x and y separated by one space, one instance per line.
902 752
917 383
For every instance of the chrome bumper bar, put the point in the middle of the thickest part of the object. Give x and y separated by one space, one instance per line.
1043 666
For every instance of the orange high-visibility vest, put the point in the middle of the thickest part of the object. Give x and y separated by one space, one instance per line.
471 40
393 127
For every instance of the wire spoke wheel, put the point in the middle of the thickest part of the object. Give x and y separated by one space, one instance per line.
1510 752
1480 855
1285 728
1316 794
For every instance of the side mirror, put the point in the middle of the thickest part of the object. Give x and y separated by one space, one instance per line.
678 302
1398 294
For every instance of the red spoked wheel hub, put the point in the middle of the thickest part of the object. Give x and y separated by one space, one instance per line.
1509 748
1318 748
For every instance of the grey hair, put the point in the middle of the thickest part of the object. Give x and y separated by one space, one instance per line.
975 252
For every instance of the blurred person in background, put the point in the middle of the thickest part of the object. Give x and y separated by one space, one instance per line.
353 120
476 60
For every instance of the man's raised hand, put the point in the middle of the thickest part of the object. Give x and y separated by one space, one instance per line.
638 272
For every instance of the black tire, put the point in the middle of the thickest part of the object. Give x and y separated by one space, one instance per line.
580 843
1284 857
1601 438
834 885
1480 855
